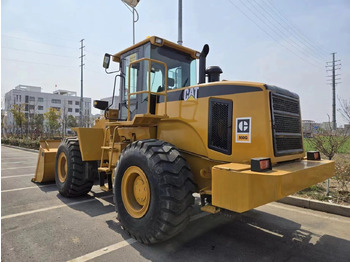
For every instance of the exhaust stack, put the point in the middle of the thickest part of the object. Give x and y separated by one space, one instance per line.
202 62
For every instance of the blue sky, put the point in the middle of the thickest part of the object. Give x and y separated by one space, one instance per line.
252 40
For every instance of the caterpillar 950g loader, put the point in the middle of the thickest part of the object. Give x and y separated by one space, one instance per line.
238 144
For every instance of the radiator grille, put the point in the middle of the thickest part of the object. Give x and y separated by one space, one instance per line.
284 104
220 125
286 125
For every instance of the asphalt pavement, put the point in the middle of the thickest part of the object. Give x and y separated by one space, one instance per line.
38 224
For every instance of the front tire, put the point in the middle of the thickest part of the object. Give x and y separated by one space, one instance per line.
73 176
153 191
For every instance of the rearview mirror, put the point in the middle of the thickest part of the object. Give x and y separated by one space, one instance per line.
106 61
100 104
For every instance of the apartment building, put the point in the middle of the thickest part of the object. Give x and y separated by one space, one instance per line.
36 102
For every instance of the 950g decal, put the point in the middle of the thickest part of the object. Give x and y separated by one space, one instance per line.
243 129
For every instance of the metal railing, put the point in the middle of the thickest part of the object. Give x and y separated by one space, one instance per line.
163 93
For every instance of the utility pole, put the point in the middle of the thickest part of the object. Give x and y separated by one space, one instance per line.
179 41
334 65
81 118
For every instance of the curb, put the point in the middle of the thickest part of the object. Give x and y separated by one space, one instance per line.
21 148
316 205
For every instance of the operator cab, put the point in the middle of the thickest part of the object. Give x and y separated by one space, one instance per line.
150 68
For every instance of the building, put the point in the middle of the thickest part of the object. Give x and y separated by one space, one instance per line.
36 102
310 127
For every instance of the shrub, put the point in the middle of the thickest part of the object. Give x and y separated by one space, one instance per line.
22 142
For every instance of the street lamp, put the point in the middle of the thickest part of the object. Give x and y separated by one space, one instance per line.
131 4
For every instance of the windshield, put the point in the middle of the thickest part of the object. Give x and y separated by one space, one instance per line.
181 67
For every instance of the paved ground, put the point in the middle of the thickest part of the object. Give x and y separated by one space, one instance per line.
37 224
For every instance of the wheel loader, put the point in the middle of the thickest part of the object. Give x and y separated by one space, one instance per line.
239 145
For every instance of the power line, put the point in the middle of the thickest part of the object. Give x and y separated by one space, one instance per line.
273 38
37 63
271 25
277 11
35 41
290 33
36 52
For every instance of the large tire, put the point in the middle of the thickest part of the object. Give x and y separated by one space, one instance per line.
73 176
168 186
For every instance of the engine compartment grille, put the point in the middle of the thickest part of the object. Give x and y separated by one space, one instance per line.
220 125
286 125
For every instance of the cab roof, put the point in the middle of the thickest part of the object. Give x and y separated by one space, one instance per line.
157 41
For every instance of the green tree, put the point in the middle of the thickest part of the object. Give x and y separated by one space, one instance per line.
52 116
329 142
38 120
18 117
71 121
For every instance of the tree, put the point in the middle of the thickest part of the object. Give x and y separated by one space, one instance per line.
38 121
52 116
329 142
71 121
18 116
345 109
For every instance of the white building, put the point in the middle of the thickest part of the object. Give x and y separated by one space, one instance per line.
36 102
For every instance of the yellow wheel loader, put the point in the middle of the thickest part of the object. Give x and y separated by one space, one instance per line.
238 144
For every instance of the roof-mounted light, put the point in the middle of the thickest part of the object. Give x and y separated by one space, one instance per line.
158 41
198 54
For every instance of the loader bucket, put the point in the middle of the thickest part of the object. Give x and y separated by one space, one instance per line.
45 168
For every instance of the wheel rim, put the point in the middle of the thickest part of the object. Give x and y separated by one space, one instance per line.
62 167
135 192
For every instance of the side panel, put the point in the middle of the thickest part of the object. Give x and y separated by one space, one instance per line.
90 142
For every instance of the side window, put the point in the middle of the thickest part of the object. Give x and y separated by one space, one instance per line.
175 77
134 71
157 80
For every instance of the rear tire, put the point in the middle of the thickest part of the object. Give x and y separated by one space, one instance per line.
153 190
73 176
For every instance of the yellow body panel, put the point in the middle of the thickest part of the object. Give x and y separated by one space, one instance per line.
139 133
90 142
187 128
241 190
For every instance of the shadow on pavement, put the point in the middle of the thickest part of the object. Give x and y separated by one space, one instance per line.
251 236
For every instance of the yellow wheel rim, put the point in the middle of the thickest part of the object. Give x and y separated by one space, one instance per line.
135 192
62 167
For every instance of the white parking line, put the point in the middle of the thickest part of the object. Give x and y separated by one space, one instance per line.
17 176
16 157
53 207
265 230
24 188
104 250
121 244
8 168
18 162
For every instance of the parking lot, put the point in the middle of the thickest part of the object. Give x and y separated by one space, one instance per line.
38 224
